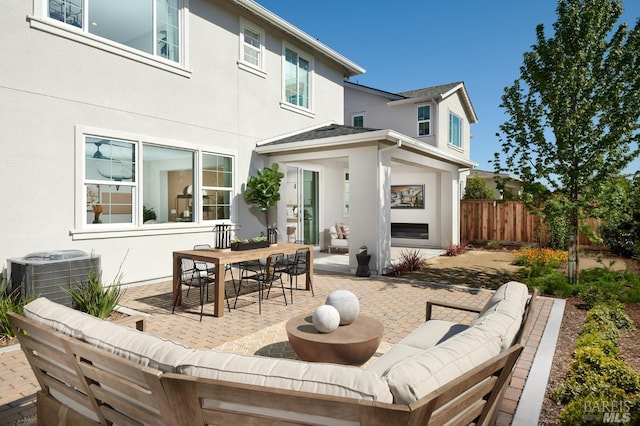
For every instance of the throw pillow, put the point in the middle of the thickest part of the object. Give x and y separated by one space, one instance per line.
339 230
345 231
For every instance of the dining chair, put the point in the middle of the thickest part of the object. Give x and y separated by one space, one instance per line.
194 274
211 270
265 277
298 265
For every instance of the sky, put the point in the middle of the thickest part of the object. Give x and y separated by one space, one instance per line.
406 45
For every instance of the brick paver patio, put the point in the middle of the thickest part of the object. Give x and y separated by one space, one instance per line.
398 304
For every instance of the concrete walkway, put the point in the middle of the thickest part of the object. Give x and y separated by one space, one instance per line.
399 304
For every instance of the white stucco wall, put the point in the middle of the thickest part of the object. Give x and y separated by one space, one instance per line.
52 87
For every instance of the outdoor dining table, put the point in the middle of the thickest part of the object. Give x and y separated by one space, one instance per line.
222 258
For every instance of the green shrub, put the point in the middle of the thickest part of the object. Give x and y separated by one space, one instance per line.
590 410
592 372
593 338
94 298
493 245
547 280
10 302
606 284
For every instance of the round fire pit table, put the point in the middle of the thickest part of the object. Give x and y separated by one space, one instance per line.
351 344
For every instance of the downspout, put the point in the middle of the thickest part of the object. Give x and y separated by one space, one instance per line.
378 245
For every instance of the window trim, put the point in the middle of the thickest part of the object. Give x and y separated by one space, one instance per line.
418 121
84 231
357 114
41 21
460 126
284 103
242 63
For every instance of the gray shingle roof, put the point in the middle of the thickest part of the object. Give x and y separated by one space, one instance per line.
328 131
430 92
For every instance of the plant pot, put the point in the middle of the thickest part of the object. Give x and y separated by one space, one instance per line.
239 246
363 264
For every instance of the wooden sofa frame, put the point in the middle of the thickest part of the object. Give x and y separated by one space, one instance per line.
119 391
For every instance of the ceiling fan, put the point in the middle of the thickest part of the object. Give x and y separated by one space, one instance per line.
99 155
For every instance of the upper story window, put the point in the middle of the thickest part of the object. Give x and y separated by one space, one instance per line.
357 120
252 45
297 78
455 130
424 120
150 26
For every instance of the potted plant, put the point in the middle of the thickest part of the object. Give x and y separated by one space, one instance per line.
263 190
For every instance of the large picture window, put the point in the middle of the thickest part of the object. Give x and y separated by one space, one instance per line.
167 185
151 26
297 78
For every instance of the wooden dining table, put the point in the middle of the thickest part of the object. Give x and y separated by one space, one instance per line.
222 258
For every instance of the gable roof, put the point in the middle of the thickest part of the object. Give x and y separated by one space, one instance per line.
350 68
427 94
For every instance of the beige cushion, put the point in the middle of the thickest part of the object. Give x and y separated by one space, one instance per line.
513 291
424 372
397 353
137 346
504 318
339 230
333 232
61 318
326 379
433 332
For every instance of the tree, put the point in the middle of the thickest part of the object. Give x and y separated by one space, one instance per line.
263 190
574 111
477 189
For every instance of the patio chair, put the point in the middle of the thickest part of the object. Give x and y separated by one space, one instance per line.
211 269
194 273
296 266
265 277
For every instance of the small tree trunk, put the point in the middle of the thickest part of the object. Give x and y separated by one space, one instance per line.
572 264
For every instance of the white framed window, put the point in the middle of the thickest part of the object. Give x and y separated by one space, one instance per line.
151 26
252 40
135 182
217 186
424 120
110 183
297 78
455 130
357 120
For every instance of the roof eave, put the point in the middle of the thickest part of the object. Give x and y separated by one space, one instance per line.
351 68
376 135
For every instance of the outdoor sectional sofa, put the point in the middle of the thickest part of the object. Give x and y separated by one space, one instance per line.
98 372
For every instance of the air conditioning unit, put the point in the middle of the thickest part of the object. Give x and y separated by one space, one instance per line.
46 273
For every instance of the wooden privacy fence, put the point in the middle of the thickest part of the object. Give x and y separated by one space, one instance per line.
504 221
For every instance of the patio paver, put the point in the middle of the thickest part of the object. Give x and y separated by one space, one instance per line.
398 304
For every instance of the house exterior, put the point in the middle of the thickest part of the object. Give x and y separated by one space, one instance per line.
511 183
129 131
138 106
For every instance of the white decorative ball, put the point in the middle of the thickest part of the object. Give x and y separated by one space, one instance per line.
326 318
347 305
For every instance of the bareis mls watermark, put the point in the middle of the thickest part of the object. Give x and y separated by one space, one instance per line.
614 411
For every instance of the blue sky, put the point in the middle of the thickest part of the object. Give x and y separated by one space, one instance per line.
405 45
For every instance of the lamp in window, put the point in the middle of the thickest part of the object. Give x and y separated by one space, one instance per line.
97 211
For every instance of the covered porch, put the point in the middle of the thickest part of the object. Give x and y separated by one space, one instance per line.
354 176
